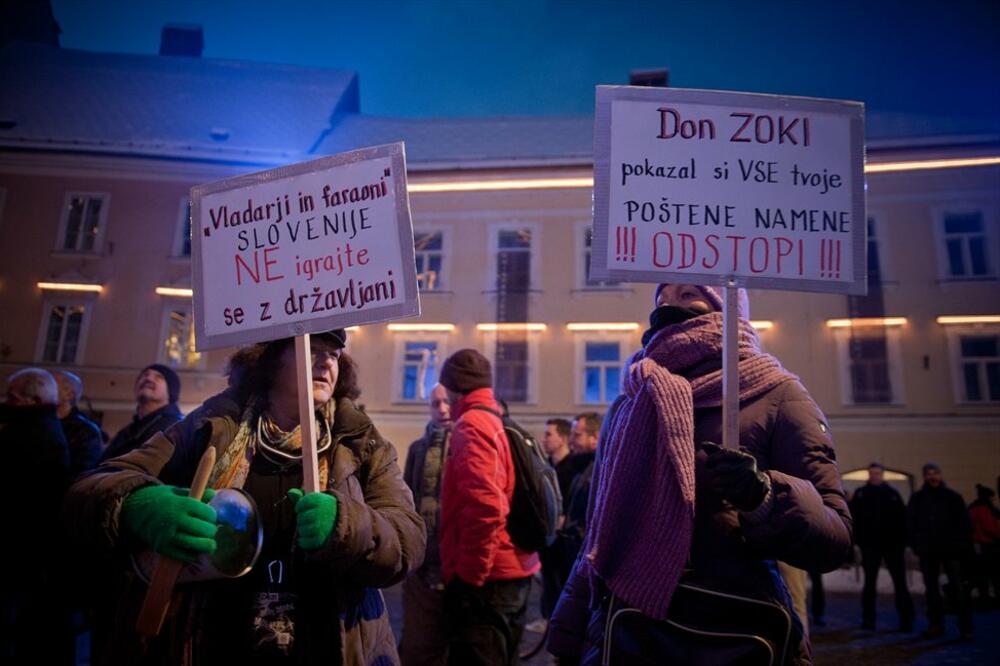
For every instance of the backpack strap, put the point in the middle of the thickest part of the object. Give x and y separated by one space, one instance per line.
484 408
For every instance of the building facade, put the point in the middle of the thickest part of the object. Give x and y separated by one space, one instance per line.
95 255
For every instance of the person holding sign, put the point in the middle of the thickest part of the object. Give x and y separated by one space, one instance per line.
312 594
686 533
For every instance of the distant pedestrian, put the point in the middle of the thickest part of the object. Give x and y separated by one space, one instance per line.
425 630
986 539
583 443
880 531
157 390
940 533
487 578
82 434
555 441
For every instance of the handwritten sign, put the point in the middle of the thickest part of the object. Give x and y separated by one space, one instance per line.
303 249
696 186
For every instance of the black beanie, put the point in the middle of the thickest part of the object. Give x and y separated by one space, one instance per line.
173 381
465 371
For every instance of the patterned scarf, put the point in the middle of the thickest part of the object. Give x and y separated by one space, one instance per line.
258 432
639 535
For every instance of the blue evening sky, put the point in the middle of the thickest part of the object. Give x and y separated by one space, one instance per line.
488 57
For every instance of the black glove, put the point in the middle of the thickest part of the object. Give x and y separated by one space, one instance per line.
735 477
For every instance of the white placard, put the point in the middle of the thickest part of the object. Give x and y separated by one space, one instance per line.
303 249
698 186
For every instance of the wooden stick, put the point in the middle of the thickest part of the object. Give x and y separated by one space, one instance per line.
307 415
161 583
730 366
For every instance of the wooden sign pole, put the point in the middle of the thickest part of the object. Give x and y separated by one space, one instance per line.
307 414
730 365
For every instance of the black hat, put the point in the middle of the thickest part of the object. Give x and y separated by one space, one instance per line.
173 381
336 336
465 371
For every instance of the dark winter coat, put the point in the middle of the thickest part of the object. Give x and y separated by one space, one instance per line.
808 524
423 472
376 541
938 523
574 529
879 517
85 442
136 433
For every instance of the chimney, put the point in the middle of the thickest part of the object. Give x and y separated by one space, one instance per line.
181 39
654 78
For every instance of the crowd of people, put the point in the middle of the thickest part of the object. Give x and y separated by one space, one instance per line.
669 548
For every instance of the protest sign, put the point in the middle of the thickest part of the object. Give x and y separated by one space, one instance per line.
694 186
303 248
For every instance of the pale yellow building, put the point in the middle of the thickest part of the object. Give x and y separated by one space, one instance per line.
98 153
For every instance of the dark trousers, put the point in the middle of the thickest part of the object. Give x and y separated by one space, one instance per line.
485 623
425 626
930 566
817 604
871 560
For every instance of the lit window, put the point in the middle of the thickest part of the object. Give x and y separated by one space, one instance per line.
429 252
63 333
82 219
177 348
980 368
419 369
966 245
588 281
601 371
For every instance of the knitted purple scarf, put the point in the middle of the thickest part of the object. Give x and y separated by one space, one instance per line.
642 519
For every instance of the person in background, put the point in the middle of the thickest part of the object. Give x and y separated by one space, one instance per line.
36 626
555 441
487 577
157 390
986 539
880 531
940 533
583 442
425 631
82 434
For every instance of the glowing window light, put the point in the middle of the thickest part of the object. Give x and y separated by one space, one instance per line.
603 326
523 326
865 321
174 291
353 329
71 286
920 165
968 319
762 324
447 328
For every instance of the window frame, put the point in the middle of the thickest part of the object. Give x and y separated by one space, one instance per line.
580 243
893 334
183 215
625 343
878 220
81 345
161 353
954 335
446 253
990 231
534 283
102 223
398 360
489 341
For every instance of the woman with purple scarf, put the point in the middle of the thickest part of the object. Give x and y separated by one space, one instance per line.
674 517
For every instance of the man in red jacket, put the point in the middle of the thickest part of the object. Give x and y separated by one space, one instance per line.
487 577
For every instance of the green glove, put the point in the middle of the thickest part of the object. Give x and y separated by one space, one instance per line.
315 516
170 522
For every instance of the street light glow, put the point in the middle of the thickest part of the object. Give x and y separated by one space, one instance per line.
522 326
174 291
411 328
968 319
865 321
71 286
603 326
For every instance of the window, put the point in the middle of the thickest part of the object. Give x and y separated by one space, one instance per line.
510 366
587 281
968 251
870 367
177 340
601 371
420 367
63 330
82 222
429 251
513 259
980 368
182 239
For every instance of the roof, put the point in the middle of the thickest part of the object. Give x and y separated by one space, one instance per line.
237 111
166 106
